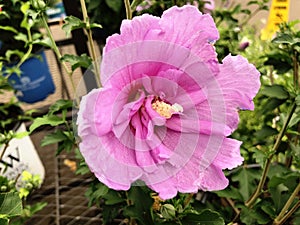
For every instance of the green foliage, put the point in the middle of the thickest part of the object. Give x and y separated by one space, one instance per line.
115 5
18 30
205 217
82 61
73 23
137 209
10 206
107 13
57 116
247 179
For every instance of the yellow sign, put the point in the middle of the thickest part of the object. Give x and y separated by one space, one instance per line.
279 13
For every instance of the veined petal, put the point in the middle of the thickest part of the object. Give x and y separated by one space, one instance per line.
212 179
229 155
199 30
239 81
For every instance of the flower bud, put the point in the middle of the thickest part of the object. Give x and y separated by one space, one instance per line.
3 188
243 45
38 4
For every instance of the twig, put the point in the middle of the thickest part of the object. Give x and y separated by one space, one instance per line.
262 181
91 42
231 203
188 200
59 56
287 205
128 9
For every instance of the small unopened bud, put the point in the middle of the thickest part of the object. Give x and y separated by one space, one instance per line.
3 188
38 4
244 45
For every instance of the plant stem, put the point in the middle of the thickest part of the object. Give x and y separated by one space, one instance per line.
246 21
59 56
128 9
188 200
262 181
91 42
289 213
30 47
296 70
231 203
287 205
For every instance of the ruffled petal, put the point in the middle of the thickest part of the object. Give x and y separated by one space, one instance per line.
96 111
195 26
229 155
199 31
140 28
239 81
212 179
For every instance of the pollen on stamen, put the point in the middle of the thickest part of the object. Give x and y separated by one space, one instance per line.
166 110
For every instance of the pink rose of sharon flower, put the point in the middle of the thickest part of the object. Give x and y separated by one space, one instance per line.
166 106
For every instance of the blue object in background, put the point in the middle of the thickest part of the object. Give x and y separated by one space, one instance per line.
57 11
35 82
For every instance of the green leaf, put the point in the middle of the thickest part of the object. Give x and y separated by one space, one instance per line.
205 217
247 179
77 61
51 120
275 91
168 211
271 104
60 105
252 3
294 120
8 28
72 23
230 192
295 152
4 221
21 37
10 204
20 135
54 137
95 25
10 53
265 132
284 38
297 100
141 205
113 197
254 216
280 188
109 213
25 7
277 170
101 191
246 11
115 5
66 145
268 208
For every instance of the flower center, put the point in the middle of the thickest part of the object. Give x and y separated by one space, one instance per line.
166 110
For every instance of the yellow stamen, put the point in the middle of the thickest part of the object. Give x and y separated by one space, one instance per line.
166 110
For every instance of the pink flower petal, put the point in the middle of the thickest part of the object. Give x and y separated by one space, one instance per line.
229 155
240 83
212 179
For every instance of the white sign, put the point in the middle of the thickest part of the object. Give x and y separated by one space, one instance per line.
19 156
